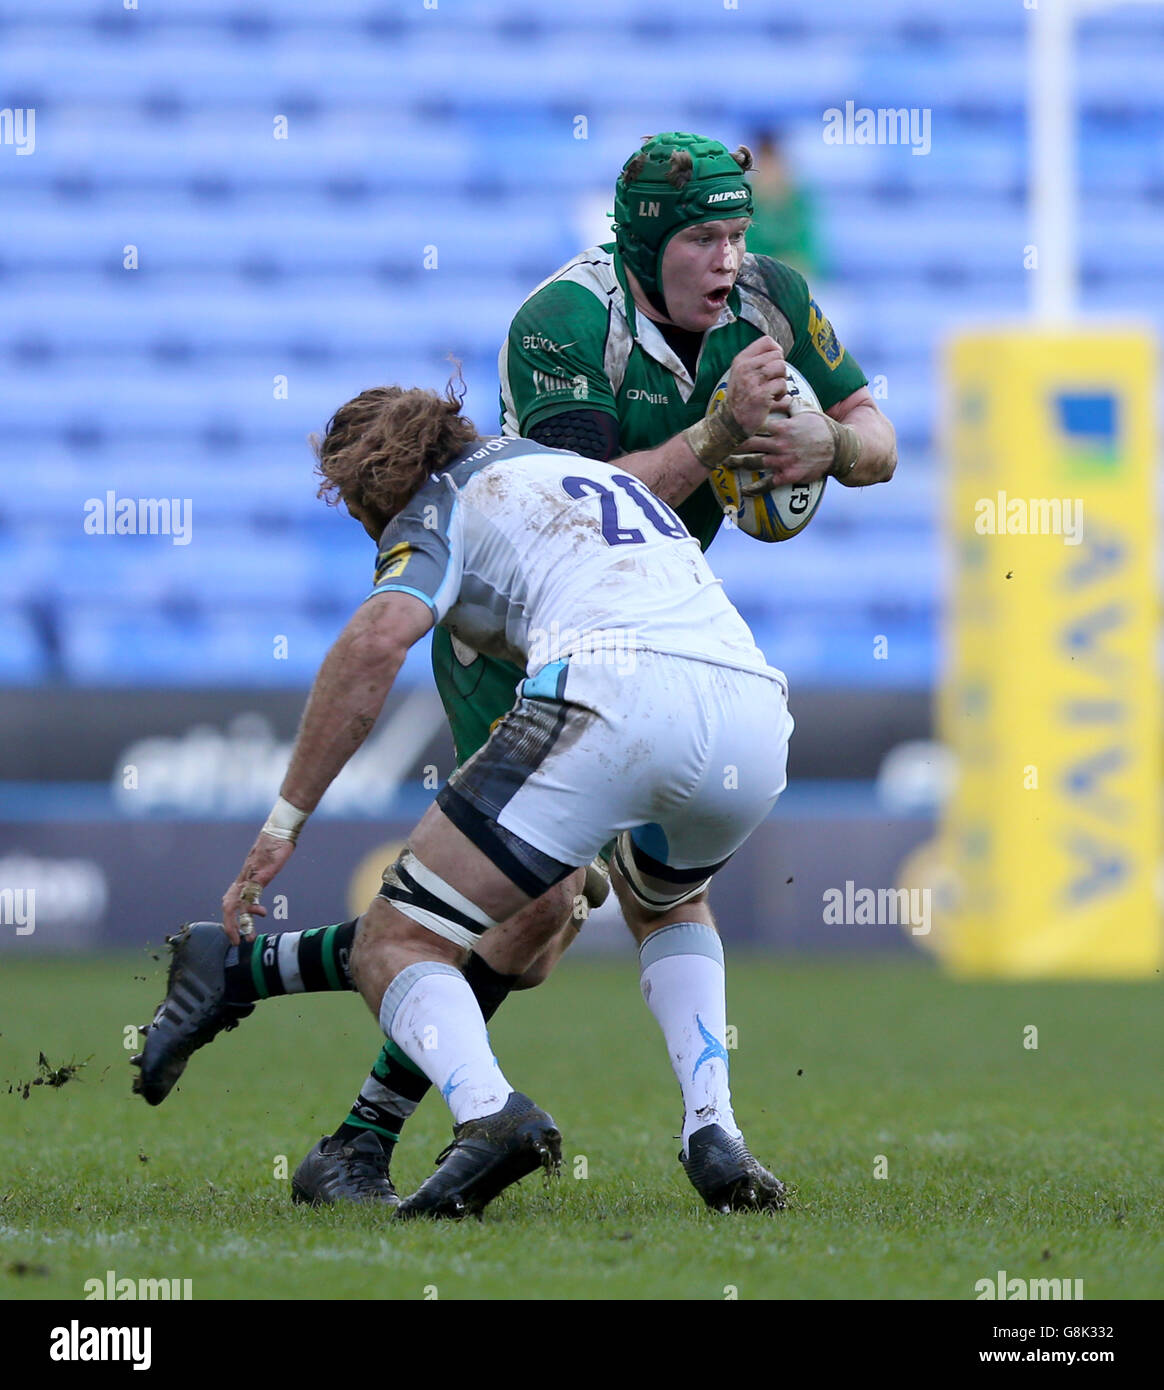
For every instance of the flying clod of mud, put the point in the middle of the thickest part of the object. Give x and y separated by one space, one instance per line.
49 1076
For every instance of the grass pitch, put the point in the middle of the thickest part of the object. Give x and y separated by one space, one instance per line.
1043 1162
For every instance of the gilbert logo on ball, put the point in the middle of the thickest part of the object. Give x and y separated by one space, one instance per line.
785 511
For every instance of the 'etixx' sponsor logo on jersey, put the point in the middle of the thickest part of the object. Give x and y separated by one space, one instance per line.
537 342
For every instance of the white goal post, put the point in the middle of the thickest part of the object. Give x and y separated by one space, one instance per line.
1053 188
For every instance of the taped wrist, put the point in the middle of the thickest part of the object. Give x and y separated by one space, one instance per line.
285 821
846 448
716 438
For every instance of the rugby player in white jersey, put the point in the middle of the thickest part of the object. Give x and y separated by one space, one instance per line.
642 684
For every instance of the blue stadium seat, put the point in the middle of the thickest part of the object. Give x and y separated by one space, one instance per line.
102 647
228 647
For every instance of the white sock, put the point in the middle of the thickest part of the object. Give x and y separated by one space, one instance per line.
430 1013
682 978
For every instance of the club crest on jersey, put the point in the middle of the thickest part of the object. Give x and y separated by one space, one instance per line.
823 336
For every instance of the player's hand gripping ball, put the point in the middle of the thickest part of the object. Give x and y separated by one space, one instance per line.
785 511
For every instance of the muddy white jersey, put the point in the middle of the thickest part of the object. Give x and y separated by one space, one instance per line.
533 555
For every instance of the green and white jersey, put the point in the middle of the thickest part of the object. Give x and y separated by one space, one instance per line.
580 343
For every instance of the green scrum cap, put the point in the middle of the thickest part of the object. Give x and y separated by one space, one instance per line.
675 180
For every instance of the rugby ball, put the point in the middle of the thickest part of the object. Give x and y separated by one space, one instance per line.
785 511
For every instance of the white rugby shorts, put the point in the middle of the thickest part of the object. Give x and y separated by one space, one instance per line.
687 756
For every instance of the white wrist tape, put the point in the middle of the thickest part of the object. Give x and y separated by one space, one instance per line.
285 821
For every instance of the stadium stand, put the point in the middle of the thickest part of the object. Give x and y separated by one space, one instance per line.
302 261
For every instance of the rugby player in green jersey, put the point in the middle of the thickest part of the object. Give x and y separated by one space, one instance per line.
614 356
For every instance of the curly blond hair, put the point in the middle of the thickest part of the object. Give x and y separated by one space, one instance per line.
381 447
